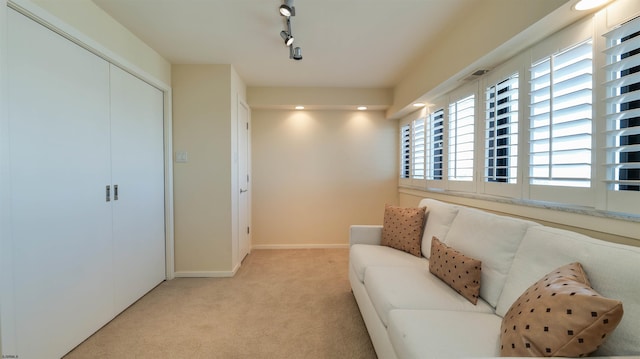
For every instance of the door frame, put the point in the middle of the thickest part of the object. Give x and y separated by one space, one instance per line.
241 103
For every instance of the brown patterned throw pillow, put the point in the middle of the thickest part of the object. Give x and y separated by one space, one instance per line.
460 272
560 315
402 228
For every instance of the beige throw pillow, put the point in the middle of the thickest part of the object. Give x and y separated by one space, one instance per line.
460 272
402 228
560 315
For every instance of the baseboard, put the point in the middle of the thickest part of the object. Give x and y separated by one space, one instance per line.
299 246
207 274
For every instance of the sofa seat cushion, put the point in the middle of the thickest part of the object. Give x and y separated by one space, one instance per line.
492 239
612 270
391 288
362 256
444 334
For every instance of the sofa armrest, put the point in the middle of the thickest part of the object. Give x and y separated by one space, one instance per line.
365 234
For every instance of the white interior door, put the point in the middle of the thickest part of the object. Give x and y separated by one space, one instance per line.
61 221
244 210
137 173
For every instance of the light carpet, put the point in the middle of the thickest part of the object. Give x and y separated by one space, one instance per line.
280 304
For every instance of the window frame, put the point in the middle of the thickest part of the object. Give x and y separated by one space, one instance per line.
470 89
505 189
614 200
410 181
439 105
569 196
405 152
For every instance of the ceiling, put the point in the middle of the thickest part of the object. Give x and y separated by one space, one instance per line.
345 43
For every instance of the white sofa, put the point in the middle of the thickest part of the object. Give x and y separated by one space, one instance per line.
410 313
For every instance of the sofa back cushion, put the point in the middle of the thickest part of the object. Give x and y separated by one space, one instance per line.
440 215
612 270
492 239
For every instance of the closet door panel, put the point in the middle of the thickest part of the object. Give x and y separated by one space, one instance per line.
59 167
138 170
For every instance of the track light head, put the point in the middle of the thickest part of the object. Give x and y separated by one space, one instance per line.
287 9
288 39
297 53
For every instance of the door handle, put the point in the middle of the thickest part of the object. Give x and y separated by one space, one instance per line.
243 190
108 193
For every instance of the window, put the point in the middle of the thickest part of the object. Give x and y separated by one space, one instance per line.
461 139
623 107
405 151
560 118
435 145
501 140
418 149
578 145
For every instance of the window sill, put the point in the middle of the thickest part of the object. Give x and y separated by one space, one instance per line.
527 203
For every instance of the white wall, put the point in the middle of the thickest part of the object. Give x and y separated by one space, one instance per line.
6 279
317 172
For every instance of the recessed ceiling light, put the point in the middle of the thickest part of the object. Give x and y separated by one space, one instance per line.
418 104
362 108
299 107
589 4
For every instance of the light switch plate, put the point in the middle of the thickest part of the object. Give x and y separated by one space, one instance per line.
182 157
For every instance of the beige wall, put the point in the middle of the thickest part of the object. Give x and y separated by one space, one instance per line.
202 186
317 172
485 28
92 21
319 98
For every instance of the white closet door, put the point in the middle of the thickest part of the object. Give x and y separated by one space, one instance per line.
138 171
61 222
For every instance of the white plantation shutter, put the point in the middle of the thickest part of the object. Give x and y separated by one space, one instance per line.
501 137
418 149
405 151
461 139
623 107
560 118
435 145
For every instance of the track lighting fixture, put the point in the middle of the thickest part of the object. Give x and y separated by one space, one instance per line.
288 10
